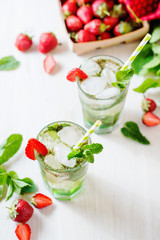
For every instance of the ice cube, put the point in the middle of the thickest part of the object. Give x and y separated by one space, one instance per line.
112 65
61 151
70 135
49 139
109 75
109 93
93 85
52 162
90 67
154 93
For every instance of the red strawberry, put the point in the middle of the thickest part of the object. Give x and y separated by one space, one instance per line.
100 8
122 28
20 211
85 14
47 42
96 26
148 105
73 23
104 35
82 2
34 144
119 11
23 231
49 64
69 8
84 36
76 72
23 42
40 200
150 119
110 21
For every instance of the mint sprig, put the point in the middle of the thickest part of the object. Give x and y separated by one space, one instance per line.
8 63
123 78
86 152
148 83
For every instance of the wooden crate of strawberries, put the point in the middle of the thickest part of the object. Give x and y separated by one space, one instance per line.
94 24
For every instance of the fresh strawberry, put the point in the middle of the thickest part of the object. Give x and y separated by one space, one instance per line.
76 72
122 28
110 21
49 64
148 105
150 119
100 8
96 26
20 211
82 2
32 145
85 14
40 200
84 36
104 35
73 23
47 42
23 231
23 42
69 8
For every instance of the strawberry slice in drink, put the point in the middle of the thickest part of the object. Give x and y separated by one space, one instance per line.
76 72
32 145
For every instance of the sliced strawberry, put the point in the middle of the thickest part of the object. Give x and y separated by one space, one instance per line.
150 119
148 105
34 144
49 64
76 72
40 200
23 231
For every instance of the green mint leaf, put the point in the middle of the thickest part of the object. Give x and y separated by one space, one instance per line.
153 63
17 189
89 156
8 63
9 147
3 176
158 73
30 188
145 56
156 48
75 153
10 190
12 174
124 77
131 130
57 127
95 148
148 83
20 183
1 191
155 35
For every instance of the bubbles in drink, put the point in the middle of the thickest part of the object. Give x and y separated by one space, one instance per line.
90 67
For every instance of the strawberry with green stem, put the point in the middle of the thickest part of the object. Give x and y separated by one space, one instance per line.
85 14
148 105
47 42
101 8
96 26
122 28
69 8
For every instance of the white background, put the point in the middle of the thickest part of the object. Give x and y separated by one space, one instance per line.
121 200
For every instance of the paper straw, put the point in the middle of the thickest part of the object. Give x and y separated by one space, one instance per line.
136 52
87 135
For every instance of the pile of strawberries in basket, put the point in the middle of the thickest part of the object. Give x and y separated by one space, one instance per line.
91 20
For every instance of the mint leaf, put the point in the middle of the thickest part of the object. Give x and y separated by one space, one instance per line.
1 191
8 63
20 183
153 63
30 188
131 130
12 174
89 156
10 190
3 176
145 56
9 147
57 127
95 148
124 77
155 35
148 83
75 153
156 48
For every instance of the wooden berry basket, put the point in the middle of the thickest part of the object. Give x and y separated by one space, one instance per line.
81 48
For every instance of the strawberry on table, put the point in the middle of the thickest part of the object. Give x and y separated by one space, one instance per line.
23 231
122 28
85 14
49 64
20 211
47 42
69 8
104 35
23 42
100 8
110 21
150 119
96 26
84 36
32 145
76 72
39 200
73 23
148 105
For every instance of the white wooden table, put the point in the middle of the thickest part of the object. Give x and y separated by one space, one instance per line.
121 200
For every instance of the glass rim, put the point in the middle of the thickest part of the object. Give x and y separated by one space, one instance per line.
101 99
56 170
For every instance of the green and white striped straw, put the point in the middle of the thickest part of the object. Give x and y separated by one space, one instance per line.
87 135
136 52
